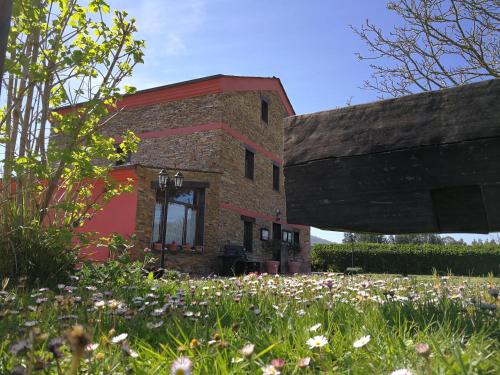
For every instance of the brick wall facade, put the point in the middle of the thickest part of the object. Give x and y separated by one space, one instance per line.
206 137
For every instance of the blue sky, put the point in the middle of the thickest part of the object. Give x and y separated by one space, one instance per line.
307 44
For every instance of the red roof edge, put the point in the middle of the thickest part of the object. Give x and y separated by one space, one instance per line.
201 86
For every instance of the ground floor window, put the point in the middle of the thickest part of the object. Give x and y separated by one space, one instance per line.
287 236
184 217
291 237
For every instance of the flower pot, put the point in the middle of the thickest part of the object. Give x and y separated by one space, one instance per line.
172 247
272 266
293 266
157 246
187 247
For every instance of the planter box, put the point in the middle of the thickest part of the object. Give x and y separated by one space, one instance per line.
293 266
272 266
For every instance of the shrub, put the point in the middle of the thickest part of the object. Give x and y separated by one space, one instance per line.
41 256
408 258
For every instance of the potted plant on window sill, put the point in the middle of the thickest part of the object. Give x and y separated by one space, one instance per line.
273 246
294 263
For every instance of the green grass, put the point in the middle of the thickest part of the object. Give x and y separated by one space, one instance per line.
275 314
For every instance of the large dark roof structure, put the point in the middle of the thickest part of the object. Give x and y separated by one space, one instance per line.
422 163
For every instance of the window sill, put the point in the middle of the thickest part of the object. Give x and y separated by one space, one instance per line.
180 251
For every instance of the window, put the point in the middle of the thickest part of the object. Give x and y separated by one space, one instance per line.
184 218
296 237
125 159
249 164
264 110
276 177
248 235
287 236
264 234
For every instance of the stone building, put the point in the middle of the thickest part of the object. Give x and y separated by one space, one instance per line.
225 133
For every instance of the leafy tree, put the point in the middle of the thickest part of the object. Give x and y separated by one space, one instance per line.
448 240
419 238
364 238
61 53
439 43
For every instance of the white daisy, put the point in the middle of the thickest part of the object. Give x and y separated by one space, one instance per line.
317 342
315 327
247 350
181 366
362 341
270 370
119 338
91 347
402 371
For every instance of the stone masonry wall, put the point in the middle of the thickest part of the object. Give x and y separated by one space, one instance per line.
216 157
199 151
176 114
242 111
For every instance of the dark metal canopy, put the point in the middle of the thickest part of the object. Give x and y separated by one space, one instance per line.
424 163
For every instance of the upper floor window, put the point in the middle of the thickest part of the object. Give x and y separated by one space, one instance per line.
124 158
264 110
249 164
276 177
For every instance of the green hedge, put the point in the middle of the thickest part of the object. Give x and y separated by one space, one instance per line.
408 258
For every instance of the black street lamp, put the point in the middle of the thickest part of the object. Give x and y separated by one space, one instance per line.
165 183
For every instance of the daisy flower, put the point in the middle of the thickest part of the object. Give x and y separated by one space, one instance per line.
247 350
270 370
317 342
304 362
362 341
181 366
119 338
423 349
315 327
402 371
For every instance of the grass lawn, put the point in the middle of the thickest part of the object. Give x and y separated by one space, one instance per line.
315 324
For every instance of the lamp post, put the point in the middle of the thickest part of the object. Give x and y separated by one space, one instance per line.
165 183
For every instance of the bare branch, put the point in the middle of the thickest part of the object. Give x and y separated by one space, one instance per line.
439 43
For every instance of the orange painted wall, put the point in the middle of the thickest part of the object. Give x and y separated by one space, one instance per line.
117 216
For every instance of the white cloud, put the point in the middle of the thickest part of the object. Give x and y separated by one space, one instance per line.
166 25
169 28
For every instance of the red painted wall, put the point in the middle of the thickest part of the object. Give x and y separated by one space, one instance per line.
117 216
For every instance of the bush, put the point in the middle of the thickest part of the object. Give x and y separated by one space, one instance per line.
408 258
42 256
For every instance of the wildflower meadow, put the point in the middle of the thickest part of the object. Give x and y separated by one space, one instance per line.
118 319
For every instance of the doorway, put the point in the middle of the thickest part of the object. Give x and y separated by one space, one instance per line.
277 239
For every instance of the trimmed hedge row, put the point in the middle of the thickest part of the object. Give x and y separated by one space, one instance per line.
408 258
